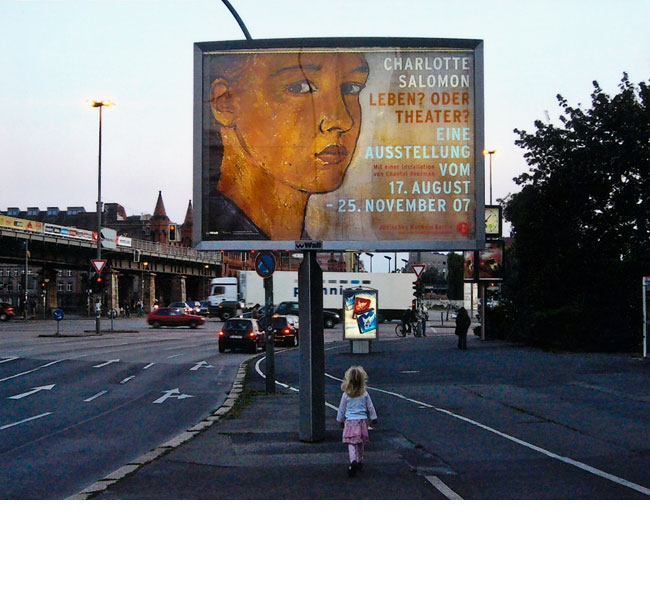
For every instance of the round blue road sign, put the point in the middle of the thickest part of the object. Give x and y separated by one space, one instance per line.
57 314
265 264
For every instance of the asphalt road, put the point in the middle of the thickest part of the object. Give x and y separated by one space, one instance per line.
73 409
504 422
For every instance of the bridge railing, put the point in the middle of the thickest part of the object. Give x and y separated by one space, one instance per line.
175 251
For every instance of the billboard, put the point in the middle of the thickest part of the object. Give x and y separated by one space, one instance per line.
360 314
489 265
340 144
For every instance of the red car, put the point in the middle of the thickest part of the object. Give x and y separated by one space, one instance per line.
173 317
6 311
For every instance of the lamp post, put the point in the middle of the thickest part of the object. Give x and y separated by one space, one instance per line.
406 262
99 104
389 258
370 254
490 153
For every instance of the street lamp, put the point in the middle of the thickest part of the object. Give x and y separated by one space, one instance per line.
406 262
99 104
370 254
490 153
389 258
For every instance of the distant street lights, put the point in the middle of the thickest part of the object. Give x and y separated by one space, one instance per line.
389 258
406 263
490 153
370 254
99 104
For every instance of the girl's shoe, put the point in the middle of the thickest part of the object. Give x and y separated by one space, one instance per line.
352 468
359 466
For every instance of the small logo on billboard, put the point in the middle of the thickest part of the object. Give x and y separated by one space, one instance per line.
309 245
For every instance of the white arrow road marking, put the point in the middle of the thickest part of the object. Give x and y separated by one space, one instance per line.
32 391
108 362
127 378
24 420
8 359
175 393
32 370
97 395
198 365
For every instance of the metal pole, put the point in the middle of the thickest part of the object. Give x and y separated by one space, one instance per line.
26 277
268 327
491 153
99 213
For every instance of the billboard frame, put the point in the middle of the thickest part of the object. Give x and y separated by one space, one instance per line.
201 49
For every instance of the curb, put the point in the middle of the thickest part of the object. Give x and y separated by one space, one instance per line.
216 415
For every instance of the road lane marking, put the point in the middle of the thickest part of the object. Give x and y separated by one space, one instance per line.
32 391
8 359
108 362
97 395
443 488
127 378
32 370
564 459
201 364
147 366
174 355
175 393
24 420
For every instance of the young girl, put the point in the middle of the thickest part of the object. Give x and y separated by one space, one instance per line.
354 411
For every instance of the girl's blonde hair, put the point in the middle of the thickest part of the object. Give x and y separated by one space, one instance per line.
354 382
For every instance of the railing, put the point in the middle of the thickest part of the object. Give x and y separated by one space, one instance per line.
175 251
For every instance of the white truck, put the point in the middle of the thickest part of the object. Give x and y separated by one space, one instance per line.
229 296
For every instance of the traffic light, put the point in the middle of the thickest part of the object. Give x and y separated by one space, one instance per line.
97 284
172 233
417 288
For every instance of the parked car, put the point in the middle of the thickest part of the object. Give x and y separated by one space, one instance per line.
330 318
285 330
6 311
171 316
183 305
245 334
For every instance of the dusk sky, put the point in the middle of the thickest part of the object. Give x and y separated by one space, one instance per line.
54 55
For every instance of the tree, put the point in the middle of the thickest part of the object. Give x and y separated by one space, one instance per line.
581 224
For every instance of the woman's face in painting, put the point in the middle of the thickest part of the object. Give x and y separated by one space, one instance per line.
295 115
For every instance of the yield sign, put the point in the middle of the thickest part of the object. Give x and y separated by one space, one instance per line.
418 269
98 264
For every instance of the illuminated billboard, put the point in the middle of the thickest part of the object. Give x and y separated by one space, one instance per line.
339 144
360 314
490 262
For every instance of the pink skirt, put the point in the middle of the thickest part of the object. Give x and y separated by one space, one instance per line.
356 432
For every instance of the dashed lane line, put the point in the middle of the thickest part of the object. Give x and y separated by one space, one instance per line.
54 362
443 488
24 420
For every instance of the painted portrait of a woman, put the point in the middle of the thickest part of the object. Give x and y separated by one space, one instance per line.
285 126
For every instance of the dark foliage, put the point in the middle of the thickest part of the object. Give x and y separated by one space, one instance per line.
581 225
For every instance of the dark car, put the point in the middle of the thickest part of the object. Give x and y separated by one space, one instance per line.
204 309
330 318
244 334
170 316
285 330
183 305
6 311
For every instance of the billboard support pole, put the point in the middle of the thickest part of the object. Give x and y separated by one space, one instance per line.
312 350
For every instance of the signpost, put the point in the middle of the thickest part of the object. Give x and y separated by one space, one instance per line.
57 315
265 267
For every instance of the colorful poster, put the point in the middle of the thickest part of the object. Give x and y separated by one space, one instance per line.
355 147
490 262
360 314
21 224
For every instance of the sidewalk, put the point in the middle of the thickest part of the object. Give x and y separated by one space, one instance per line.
250 449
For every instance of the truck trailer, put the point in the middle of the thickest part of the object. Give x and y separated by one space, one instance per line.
230 296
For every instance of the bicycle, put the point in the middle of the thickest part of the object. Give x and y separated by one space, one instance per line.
400 330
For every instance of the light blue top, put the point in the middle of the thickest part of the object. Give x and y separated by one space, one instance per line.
355 409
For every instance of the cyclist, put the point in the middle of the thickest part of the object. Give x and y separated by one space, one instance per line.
407 318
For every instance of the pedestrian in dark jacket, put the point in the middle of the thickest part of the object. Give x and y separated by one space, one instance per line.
462 325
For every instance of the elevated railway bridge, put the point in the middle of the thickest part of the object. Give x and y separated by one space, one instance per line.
135 269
